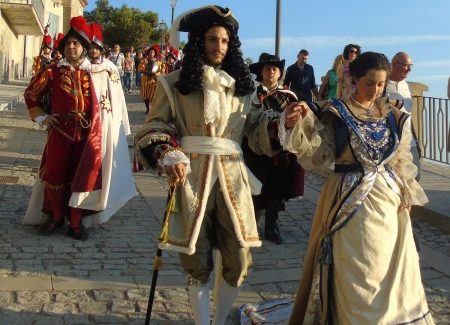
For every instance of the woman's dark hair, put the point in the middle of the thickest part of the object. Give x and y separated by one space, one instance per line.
368 61
191 74
347 49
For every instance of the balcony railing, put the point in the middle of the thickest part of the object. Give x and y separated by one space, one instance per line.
37 4
433 127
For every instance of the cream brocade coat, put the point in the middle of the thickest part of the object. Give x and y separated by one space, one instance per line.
361 264
174 116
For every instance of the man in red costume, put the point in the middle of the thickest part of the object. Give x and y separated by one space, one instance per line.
57 55
45 57
71 162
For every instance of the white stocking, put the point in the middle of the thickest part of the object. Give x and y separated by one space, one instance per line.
226 295
199 298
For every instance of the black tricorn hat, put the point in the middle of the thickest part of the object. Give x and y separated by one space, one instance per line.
198 19
266 58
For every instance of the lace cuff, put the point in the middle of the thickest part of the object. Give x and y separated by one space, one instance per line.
39 119
283 133
305 137
172 157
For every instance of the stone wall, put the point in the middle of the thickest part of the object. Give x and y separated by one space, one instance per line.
17 51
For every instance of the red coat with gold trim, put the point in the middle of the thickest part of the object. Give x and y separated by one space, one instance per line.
71 92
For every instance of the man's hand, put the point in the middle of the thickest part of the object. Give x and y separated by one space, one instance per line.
176 173
51 121
294 112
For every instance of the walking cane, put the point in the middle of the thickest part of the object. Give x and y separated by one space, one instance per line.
162 238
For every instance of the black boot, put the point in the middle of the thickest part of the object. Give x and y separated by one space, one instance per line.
272 229
50 227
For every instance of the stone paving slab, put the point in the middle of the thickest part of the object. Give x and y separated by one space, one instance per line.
105 280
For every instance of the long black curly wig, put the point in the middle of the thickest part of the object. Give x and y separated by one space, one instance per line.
191 74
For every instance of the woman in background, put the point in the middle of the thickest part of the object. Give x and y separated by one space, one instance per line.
345 85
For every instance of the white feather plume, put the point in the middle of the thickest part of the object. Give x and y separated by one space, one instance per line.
174 38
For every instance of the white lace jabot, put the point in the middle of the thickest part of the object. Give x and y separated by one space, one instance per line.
215 83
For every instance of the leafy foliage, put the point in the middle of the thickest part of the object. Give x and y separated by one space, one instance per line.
248 60
125 26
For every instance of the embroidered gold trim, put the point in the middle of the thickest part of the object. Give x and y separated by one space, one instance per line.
53 187
195 206
234 202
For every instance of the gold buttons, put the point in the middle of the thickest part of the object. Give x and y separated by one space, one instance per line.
234 156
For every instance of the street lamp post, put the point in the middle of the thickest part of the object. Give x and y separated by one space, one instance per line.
277 29
173 3
162 26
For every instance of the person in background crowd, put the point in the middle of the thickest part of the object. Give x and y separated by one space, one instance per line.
71 164
397 88
117 58
345 86
57 55
151 68
107 51
300 78
137 61
45 57
281 177
329 83
128 67
205 108
172 61
133 52
361 250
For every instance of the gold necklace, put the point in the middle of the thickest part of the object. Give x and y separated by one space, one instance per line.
368 110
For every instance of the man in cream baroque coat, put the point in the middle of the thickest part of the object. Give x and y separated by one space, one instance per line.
200 114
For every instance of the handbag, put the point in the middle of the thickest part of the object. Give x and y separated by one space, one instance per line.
324 87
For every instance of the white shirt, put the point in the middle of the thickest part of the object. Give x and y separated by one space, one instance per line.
400 90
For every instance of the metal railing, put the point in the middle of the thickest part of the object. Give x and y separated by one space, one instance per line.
37 4
433 116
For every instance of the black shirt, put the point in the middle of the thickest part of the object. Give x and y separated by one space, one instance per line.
301 82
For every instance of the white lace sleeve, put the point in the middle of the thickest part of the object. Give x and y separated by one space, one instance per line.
402 164
283 133
175 157
311 140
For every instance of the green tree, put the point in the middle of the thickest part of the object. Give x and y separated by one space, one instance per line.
125 26
248 60
101 13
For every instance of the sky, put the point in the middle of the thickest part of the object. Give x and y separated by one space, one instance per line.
418 27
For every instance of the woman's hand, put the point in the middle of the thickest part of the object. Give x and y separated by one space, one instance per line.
51 121
176 173
294 112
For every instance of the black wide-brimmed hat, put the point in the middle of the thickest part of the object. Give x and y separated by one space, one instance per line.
198 20
266 58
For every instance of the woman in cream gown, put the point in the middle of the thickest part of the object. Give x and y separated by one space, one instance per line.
361 265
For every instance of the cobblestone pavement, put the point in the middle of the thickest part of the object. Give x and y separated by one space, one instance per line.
105 280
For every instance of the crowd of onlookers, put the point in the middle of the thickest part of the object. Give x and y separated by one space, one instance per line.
132 63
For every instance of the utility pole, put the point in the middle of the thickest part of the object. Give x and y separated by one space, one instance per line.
277 29
173 3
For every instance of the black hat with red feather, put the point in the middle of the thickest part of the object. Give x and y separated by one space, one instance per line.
79 28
